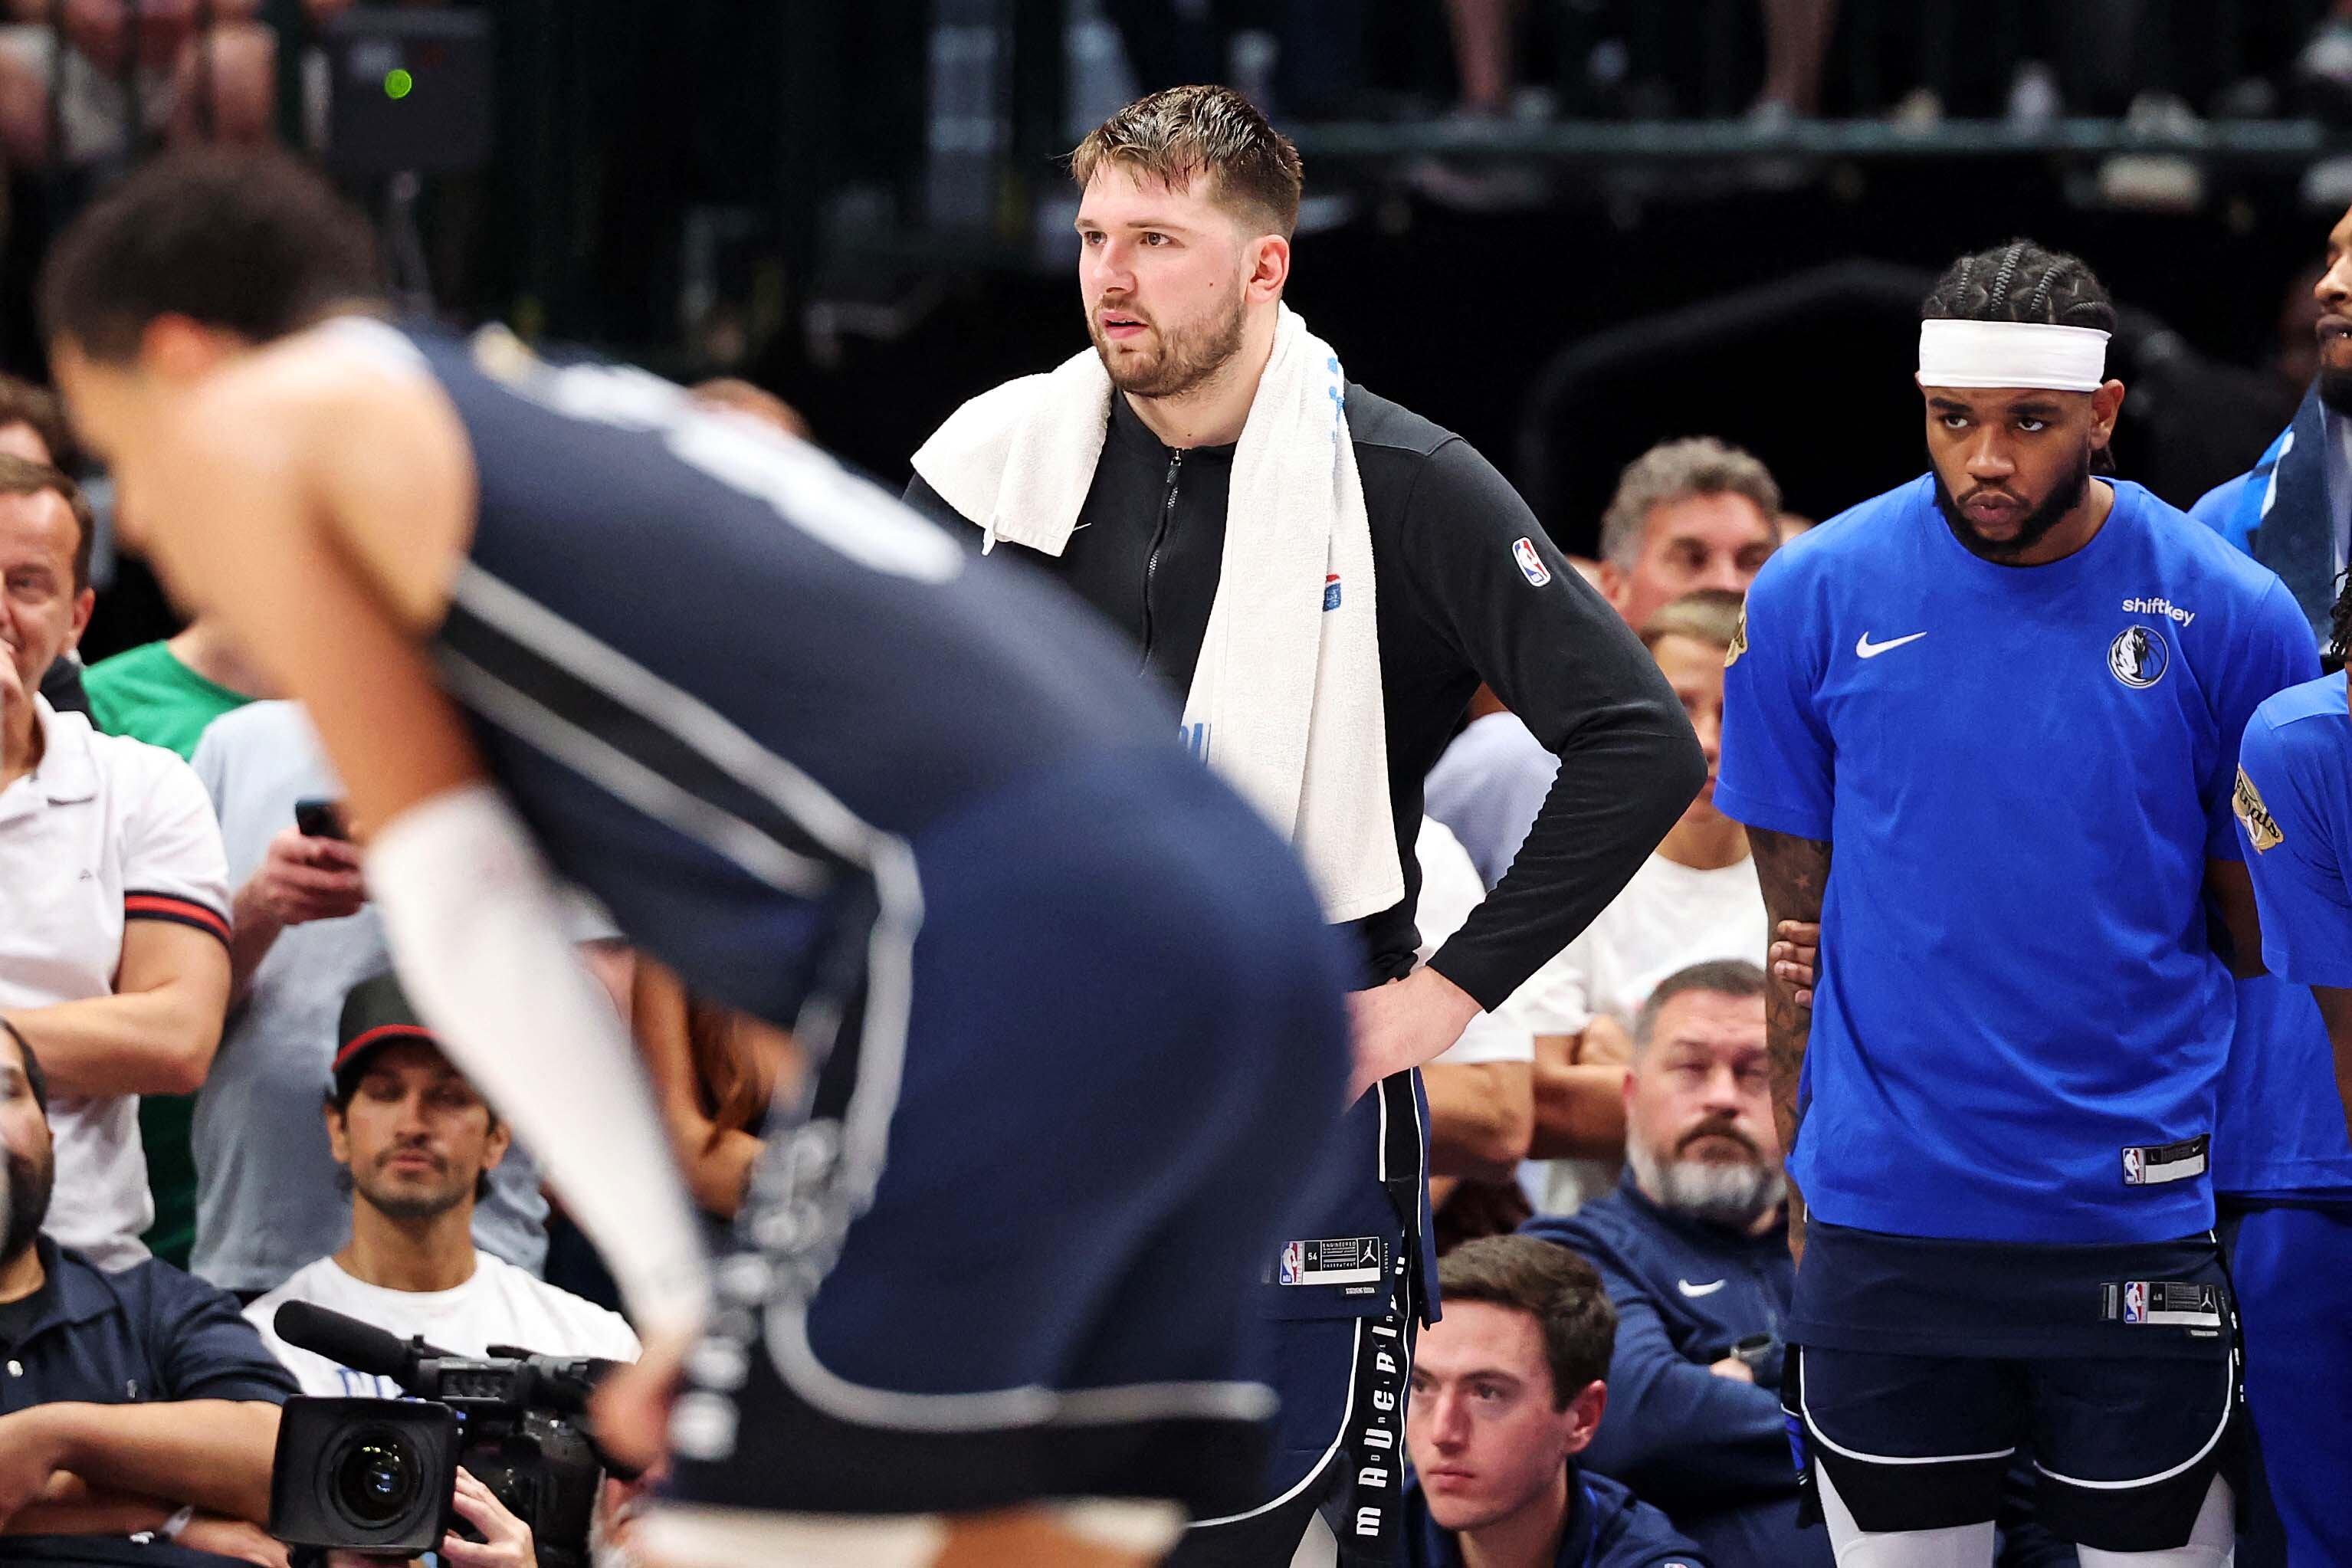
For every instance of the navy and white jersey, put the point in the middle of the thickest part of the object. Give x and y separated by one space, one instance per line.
2023 771
636 555
913 807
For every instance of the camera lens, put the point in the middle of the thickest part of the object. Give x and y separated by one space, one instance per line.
376 1477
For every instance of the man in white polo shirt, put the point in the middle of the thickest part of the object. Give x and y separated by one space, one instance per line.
113 942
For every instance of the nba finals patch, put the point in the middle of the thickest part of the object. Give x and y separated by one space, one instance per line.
2260 826
1738 639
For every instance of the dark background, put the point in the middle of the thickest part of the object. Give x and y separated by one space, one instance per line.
723 186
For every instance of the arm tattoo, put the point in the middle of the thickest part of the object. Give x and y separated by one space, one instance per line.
1794 872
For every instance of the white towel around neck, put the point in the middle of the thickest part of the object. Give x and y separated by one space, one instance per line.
1285 701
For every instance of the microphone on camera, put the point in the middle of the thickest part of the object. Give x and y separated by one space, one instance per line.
360 1346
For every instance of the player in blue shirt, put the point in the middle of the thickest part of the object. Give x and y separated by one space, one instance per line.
2290 1256
1979 729
2282 1161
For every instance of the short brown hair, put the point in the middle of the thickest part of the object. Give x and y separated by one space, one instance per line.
1555 1287
1677 471
1733 977
1710 615
22 403
1173 135
20 477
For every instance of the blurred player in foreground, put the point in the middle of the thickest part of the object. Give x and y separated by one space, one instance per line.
1074 1018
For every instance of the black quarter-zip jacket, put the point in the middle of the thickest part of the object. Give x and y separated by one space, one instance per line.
1456 605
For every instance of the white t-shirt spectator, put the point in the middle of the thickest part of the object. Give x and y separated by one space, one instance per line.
500 1305
1668 918
1450 889
105 831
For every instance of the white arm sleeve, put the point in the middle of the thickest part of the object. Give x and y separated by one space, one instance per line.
481 941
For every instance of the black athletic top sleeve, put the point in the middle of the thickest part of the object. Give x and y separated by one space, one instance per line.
1469 589
1576 674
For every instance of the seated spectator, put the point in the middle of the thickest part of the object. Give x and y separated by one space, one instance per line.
113 891
203 72
714 1079
33 424
416 1145
165 693
138 1418
305 934
1509 1388
1696 898
33 427
1694 1248
1480 1090
1688 515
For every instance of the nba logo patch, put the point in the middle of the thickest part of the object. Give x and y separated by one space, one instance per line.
1531 564
2134 1167
1294 1262
2136 1302
1332 592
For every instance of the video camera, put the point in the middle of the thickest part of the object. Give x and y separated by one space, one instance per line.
377 1475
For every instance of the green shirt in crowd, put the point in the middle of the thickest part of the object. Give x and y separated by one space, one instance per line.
148 694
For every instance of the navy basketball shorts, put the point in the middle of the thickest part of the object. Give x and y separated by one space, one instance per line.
1007 1253
1341 1298
1926 1368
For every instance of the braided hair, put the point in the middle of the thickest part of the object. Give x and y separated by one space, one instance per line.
2024 281
2021 281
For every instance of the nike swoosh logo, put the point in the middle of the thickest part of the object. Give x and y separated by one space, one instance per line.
1695 1291
1865 648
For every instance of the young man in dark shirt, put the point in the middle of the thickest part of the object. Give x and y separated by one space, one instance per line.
1508 1391
1189 200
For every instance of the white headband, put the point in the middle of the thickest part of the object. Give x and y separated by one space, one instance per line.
2012 354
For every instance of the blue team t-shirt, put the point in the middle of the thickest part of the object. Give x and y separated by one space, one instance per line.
2276 1129
2294 807
2020 1018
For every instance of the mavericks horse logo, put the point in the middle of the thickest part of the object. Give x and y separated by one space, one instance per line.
2138 656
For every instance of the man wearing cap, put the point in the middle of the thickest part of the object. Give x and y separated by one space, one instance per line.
417 1143
306 932
2008 696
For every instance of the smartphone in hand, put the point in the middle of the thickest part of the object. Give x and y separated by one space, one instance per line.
319 817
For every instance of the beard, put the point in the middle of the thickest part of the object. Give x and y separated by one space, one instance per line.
2335 387
28 1181
1187 357
411 1202
2064 497
1732 1194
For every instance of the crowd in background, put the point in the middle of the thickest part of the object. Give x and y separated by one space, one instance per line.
233 1085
